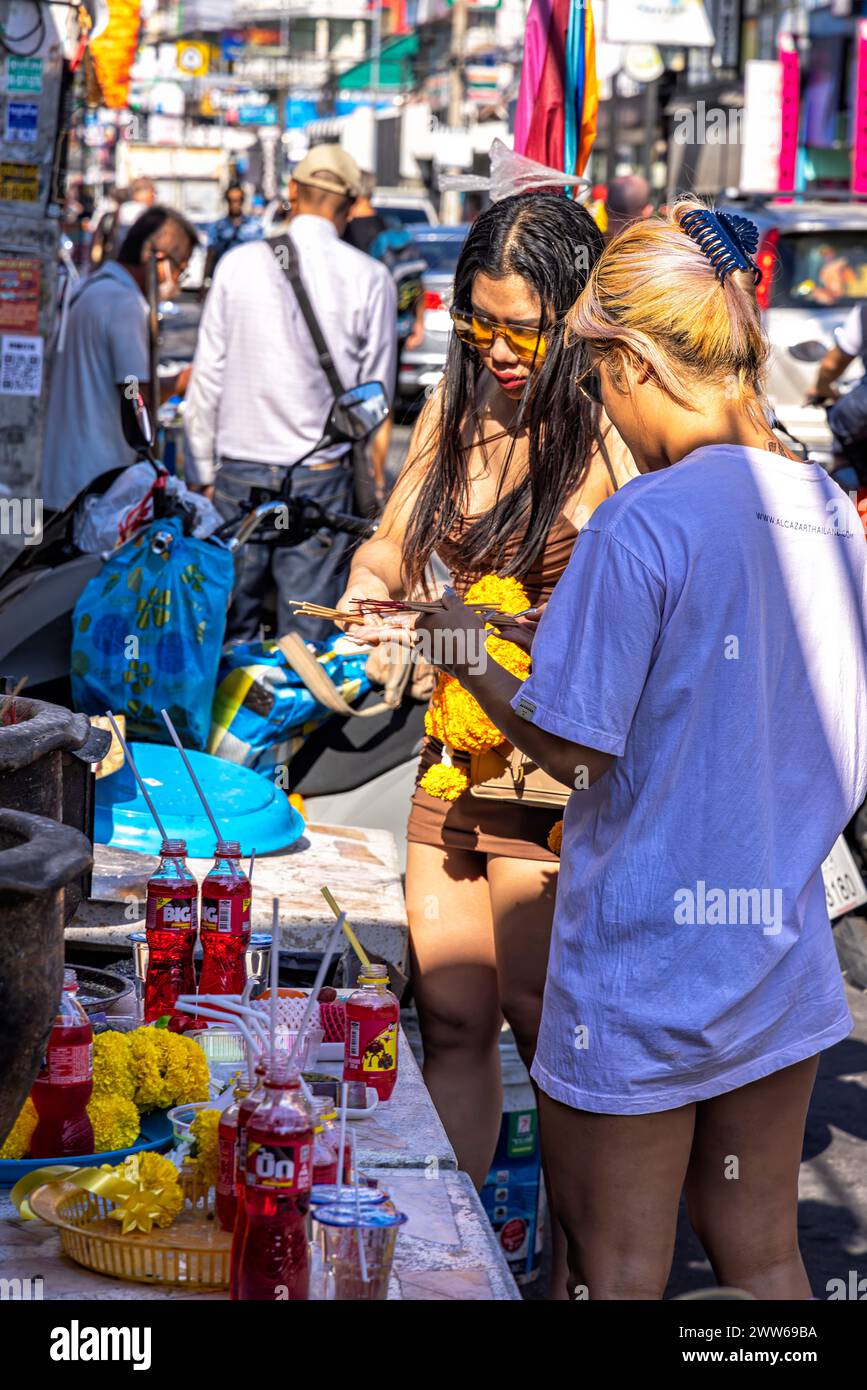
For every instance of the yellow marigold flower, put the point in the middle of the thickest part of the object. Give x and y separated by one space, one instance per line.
187 1075
507 594
204 1156
112 1065
510 656
445 782
17 1141
115 1122
151 1091
458 719
555 837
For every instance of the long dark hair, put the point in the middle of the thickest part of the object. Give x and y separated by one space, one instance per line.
552 243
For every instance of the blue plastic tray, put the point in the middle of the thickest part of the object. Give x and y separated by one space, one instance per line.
156 1133
247 805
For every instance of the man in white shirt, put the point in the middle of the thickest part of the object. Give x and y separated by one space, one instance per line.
106 349
847 417
259 398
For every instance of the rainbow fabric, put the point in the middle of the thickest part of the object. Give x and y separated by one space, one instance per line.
558 98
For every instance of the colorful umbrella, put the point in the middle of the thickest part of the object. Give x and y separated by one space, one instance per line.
558 98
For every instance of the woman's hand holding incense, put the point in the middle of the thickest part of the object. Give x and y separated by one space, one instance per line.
377 628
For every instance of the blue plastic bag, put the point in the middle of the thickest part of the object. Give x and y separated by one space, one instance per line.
148 630
263 711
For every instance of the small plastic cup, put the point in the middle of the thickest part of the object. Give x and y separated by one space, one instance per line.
343 1227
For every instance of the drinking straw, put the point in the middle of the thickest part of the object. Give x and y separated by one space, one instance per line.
252 862
317 985
197 1011
275 973
350 934
188 765
233 1009
135 772
344 1099
362 1256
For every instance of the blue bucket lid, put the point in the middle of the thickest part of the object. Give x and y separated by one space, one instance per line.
326 1194
247 805
370 1218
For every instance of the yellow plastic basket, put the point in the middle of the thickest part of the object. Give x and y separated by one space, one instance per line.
194 1252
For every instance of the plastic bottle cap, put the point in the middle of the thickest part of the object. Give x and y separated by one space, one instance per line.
228 849
173 849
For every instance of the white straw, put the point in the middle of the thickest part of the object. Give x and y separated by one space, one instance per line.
362 1256
188 765
275 972
195 1010
317 984
252 862
135 772
344 1095
233 1010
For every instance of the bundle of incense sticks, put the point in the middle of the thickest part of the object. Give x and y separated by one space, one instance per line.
319 610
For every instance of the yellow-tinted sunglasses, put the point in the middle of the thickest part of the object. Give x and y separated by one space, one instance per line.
527 343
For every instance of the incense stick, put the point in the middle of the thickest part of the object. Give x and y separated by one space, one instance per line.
135 772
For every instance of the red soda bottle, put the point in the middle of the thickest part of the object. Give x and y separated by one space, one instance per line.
372 1018
272 1252
62 1089
226 1204
225 922
326 1145
246 1108
170 928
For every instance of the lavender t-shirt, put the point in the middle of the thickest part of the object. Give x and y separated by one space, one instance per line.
710 632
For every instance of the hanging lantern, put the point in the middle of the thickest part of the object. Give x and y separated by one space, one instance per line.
114 52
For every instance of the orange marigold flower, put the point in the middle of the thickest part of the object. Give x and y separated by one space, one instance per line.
447 783
555 837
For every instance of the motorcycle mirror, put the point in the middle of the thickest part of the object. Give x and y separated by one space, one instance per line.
811 351
136 423
358 413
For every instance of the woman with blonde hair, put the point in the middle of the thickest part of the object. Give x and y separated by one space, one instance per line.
703 661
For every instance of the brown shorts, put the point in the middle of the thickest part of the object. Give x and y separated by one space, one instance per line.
475 823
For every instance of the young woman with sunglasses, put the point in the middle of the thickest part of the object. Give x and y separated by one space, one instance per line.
507 461
704 658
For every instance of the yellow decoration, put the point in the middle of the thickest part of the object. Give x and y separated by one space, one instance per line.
112 1065
168 1069
204 1158
17 1142
113 52
555 837
455 717
146 1192
115 1121
447 783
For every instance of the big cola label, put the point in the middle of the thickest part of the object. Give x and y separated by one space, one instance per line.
287 1166
171 914
230 916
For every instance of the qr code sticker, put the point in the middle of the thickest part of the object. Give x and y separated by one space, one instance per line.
21 366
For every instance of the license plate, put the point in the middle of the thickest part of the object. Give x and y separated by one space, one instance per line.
844 886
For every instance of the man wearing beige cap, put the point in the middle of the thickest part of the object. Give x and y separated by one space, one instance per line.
259 397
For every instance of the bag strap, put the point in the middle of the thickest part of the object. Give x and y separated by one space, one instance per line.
322 687
606 457
286 256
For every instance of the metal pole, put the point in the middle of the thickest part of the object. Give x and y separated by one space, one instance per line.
450 207
376 48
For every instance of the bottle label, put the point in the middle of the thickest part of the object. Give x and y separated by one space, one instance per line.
170 914
371 1048
230 916
69 1066
282 1167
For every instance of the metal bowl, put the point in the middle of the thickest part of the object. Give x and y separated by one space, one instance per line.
99 989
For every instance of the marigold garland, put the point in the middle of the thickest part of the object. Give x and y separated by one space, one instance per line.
555 837
115 1122
455 717
203 1158
17 1141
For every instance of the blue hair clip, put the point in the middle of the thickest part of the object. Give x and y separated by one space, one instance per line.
728 240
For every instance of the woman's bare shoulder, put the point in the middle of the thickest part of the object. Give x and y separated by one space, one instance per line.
610 466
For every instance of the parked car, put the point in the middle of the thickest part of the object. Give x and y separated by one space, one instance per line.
413 209
423 366
813 258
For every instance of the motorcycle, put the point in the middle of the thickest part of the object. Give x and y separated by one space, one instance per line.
350 770
851 473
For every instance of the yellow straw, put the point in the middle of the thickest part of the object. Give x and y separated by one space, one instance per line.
350 934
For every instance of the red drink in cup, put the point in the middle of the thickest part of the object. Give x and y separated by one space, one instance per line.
62 1089
170 928
372 1019
271 1251
225 922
